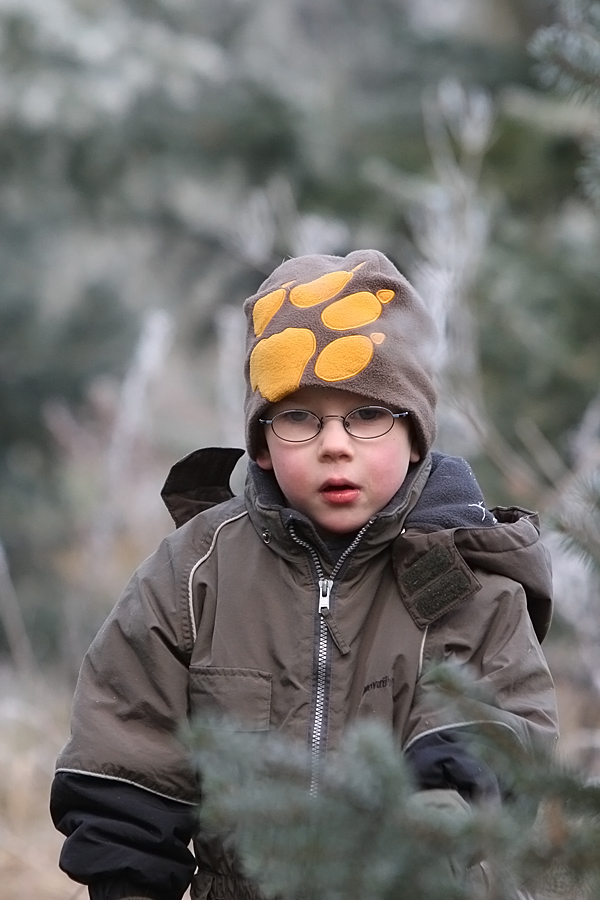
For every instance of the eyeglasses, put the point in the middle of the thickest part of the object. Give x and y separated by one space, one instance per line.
365 423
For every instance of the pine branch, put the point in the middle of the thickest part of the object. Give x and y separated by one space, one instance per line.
369 836
362 837
570 57
578 521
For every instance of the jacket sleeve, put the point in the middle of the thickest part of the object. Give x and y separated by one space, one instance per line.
492 637
121 840
132 692
124 790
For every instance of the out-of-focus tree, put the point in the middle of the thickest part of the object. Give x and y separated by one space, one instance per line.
367 833
568 53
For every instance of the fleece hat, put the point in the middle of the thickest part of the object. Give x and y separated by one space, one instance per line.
353 323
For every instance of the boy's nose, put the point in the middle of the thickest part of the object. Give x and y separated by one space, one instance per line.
333 437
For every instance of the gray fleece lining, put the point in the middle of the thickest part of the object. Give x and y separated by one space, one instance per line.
451 498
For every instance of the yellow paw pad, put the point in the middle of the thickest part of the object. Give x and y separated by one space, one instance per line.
352 311
344 358
324 288
265 309
277 363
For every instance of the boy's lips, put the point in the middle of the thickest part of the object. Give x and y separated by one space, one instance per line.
339 490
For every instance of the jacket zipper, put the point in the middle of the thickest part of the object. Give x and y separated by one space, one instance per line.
325 628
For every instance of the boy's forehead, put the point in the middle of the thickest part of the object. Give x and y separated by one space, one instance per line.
314 397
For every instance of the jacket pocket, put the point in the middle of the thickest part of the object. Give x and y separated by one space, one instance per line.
241 696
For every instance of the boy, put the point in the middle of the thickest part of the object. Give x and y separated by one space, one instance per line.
355 558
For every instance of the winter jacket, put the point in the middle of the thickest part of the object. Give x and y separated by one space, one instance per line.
244 611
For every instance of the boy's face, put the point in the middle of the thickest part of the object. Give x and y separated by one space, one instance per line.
337 480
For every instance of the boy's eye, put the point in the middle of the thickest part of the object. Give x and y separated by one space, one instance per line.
369 421
370 414
296 425
295 417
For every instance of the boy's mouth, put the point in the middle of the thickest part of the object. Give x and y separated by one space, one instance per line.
339 491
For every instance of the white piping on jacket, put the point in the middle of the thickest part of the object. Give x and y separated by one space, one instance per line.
422 651
462 724
126 781
199 563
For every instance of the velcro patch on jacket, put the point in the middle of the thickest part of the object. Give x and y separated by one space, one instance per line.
435 583
429 567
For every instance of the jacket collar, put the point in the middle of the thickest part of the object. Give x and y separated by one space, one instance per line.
439 505
269 513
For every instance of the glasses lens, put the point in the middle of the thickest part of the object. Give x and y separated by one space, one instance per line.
369 421
296 425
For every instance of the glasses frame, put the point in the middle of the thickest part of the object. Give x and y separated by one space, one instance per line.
321 419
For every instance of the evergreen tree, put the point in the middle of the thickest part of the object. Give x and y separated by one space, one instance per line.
368 835
569 55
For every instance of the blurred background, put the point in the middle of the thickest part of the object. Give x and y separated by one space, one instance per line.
157 159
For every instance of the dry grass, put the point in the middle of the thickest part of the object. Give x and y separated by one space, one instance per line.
33 727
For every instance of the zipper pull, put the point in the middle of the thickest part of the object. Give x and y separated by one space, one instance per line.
325 585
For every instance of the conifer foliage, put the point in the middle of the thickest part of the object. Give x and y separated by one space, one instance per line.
370 835
569 56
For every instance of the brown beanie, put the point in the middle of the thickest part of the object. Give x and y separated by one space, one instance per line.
351 322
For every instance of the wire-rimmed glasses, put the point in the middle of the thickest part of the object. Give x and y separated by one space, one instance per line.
366 422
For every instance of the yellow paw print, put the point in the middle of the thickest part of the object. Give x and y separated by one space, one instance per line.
278 362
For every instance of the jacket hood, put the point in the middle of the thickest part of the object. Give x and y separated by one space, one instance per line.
436 572
502 541
198 481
